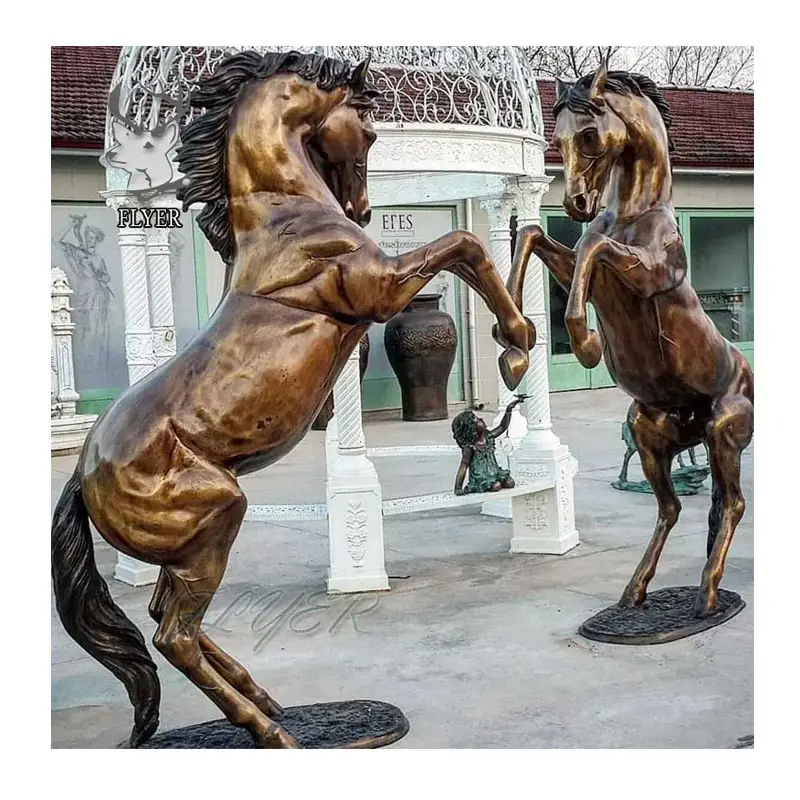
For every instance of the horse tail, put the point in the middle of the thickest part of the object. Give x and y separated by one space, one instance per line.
714 516
91 617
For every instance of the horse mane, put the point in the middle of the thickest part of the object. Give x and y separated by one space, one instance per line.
577 97
202 156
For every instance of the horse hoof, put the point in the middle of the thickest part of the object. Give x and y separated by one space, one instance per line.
704 607
590 351
513 366
531 334
277 738
632 599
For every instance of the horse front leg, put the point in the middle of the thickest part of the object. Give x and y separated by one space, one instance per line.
464 255
559 259
585 343
645 271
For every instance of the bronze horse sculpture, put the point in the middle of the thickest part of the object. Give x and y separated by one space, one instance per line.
689 385
280 160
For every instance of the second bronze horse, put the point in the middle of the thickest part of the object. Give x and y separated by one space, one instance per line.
689 385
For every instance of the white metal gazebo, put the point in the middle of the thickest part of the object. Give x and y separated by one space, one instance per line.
454 123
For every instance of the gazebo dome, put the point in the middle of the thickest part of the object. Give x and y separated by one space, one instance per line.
462 118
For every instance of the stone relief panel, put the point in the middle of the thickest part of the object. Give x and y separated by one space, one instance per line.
84 244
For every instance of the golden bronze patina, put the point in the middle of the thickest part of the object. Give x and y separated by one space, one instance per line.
280 160
689 385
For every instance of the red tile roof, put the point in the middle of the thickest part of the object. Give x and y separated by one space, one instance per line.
711 128
80 78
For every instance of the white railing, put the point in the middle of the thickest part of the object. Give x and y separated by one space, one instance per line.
462 85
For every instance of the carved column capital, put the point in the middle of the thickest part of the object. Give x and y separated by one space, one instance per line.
527 196
120 198
499 208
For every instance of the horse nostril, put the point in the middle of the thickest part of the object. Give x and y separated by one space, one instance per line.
366 217
580 202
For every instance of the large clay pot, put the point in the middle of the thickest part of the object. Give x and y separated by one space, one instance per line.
326 412
421 345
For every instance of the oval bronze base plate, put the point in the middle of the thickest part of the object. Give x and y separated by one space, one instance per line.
666 615
349 724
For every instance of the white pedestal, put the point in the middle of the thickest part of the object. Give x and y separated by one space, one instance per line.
355 526
545 522
354 498
133 572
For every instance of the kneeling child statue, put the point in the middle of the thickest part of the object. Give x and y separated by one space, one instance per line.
477 445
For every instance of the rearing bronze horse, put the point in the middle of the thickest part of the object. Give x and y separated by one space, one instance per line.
688 383
280 159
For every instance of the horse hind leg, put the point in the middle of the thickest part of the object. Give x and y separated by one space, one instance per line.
655 441
230 669
183 604
714 517
728 432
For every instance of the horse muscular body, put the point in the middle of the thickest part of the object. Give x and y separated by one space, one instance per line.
280 160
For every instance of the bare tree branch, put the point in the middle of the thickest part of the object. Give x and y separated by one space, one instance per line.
677 65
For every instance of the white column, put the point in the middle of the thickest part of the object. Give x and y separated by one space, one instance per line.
160 287
331 443
62 327
355 508
499 211
544 522
138 345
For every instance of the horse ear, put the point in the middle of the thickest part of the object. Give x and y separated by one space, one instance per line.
599 82
562 87
358 80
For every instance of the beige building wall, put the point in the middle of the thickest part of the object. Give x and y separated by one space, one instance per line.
688 191
76 178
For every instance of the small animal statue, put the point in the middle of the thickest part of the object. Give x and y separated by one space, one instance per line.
689 384
686 480
279 160
477 445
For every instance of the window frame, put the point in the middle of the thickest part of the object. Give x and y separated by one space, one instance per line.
684 216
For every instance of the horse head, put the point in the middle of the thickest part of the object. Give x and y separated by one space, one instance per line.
598 119
340 146
294 124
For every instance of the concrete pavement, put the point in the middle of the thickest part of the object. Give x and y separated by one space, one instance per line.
478 647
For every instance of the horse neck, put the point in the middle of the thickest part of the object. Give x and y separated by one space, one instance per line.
641 179
267 156
284 169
